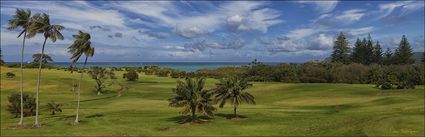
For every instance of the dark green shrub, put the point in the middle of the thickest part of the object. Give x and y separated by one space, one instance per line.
14 106
10 75
386 85
162 73
131 75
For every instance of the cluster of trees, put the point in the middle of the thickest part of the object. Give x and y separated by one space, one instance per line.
192 96
326 72
366 52
29 26
29 105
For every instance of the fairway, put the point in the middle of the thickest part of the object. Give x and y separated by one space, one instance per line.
282 109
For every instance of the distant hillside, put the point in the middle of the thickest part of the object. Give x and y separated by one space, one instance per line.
418 56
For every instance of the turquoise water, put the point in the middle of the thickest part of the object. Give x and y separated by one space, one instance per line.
187 66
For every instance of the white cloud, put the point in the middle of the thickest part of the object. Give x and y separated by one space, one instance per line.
301 33
189 31
351 15
322 6
249 14
404 6
321 42
360 31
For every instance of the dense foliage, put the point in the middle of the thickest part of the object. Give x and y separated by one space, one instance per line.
53 107
14 106
10 75
131 75
193 97
231 90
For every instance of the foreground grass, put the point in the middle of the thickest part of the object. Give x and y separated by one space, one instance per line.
281 110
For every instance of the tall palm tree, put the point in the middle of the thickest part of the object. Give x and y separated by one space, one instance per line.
192 96
22 18
231 90
41 24
81 45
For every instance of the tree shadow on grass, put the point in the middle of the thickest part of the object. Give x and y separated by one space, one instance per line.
95 115
230 116
183 119
142 82
97 98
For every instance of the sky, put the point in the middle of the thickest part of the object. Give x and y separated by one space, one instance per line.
215 31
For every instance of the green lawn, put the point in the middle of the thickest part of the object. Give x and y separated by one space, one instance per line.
282 109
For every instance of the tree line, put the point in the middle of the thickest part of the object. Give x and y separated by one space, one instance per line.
367 52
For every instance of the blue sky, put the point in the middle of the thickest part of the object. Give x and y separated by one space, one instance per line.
271 31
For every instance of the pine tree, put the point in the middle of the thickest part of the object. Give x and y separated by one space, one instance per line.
388 57
368 58
356 56
403 54
377 53
341 50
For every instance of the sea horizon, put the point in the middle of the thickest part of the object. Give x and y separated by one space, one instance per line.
178 65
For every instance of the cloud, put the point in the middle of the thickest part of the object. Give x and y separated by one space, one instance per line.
258 20
190 32
203 44
87 14
254 17
351 15
360 31
158 35
419 43
404 6
322 6
287 43
118 35
340 19
282 44
301 33
321 42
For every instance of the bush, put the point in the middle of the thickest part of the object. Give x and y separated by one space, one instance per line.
14 106
386 85
131 75
162 73
10 75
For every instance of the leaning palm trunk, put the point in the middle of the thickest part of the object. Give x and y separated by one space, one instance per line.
21 122
78 92
38 84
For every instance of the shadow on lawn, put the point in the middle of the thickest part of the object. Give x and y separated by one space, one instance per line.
230 116
188 119
97 98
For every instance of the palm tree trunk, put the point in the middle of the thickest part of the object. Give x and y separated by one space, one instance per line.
193 112
21 122
36 124
234 111
78 91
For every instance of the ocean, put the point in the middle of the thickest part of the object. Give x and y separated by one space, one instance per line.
186 66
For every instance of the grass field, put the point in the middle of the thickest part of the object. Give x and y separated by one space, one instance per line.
282 109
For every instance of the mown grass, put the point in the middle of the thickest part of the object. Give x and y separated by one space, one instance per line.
282 109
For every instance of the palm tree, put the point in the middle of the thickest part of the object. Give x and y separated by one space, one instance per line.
192 96
44 58
231 90
41 24
81 45
53 107
22 18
